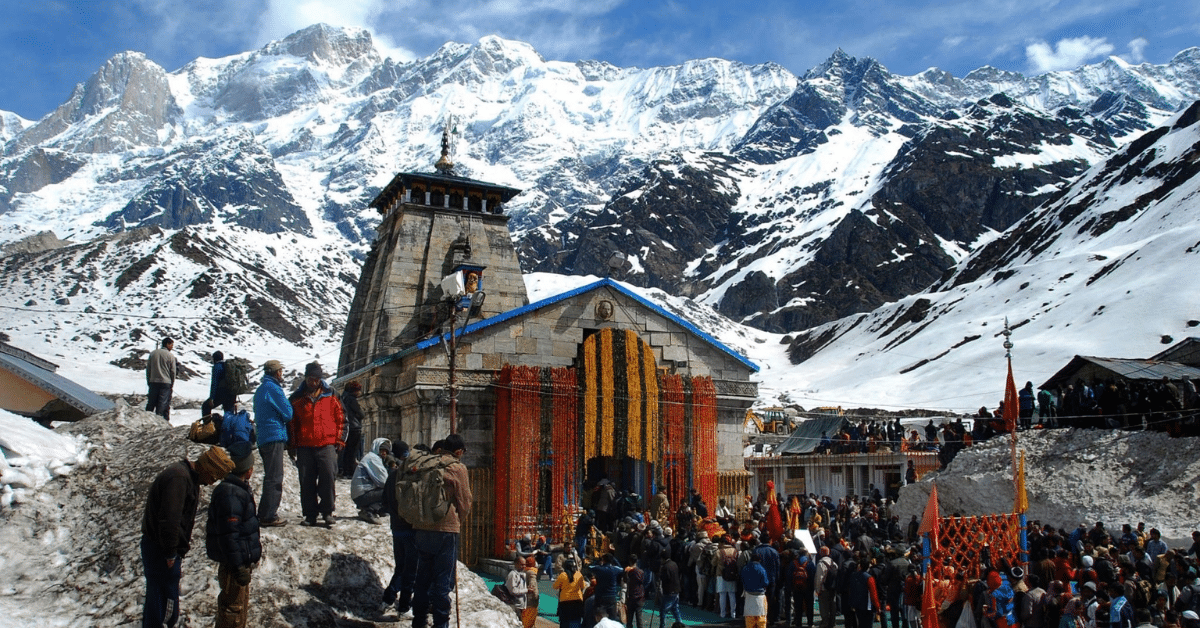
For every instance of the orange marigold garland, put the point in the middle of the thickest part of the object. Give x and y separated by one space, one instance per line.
502 442
704 436
526 439
567 468
674 449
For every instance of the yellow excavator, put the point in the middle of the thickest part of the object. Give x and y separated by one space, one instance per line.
769 421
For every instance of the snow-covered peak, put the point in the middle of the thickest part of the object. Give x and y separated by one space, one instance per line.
321 43
126 103
10 125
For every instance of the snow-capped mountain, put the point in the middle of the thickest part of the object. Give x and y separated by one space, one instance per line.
781 201
1103 270
98 307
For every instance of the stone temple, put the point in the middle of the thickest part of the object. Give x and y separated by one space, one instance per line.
551 397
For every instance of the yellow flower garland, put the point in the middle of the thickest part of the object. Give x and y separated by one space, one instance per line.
607 392
634 445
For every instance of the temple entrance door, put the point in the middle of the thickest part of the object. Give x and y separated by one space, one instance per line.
628 475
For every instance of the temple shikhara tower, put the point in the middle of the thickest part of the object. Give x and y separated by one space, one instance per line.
551 397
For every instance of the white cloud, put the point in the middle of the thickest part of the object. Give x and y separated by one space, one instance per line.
281 18
953 42
1137 49
1067 54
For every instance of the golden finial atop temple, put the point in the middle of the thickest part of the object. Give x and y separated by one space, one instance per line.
445 165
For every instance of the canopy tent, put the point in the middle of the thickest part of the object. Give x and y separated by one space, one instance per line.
807 435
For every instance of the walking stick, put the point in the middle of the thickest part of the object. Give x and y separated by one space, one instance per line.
457 609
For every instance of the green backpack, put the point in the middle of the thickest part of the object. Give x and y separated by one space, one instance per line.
236 378
420 489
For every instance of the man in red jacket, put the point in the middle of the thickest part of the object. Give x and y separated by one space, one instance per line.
317 431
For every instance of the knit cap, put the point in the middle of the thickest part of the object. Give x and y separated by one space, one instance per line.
213 465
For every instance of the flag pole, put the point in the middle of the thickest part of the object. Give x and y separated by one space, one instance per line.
1011 402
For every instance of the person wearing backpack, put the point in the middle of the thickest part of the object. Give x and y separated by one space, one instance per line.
863 596
220 393
437 542
824 585
803 576
517 583
725 562
704 554
218 372
404 549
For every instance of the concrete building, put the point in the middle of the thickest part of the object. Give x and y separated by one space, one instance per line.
550 397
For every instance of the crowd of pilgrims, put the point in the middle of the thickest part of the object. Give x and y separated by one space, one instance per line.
867 569
1165 405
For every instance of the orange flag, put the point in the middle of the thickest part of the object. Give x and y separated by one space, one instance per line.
929 521
774 517
1012 405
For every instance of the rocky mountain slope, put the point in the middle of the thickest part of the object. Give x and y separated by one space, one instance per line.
781 201
97 308
1099 270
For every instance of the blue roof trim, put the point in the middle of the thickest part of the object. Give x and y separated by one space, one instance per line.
72 393
606 282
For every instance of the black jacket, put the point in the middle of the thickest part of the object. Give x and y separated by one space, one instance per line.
231 536
171 509
389 503
354 413
669 578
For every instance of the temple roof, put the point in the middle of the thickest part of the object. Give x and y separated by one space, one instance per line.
395 188
522 311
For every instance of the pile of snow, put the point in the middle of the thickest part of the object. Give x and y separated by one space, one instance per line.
69 555
31 455
1074 476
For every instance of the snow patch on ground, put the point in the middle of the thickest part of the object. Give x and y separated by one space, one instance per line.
69 552
1074 476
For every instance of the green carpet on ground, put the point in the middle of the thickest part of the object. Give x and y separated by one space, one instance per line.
548 606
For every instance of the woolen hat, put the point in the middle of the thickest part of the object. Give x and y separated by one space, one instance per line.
213 465
312 369
243 464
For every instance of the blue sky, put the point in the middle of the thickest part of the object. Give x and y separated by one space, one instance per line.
47 46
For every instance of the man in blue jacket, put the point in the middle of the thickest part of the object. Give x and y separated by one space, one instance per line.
272 412
755 582
608 584
232 540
